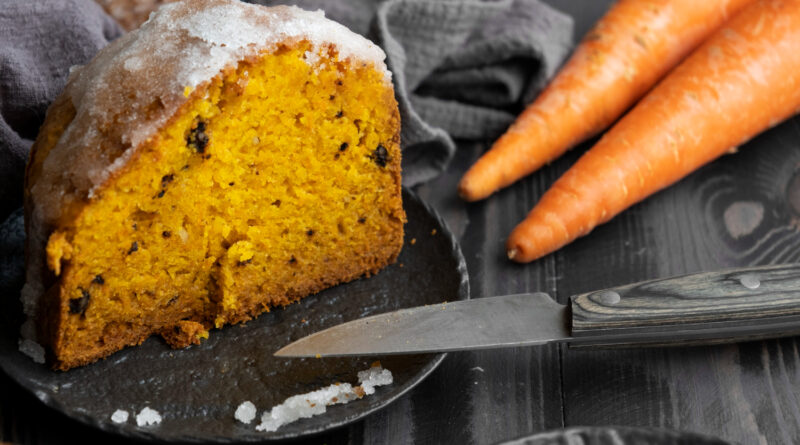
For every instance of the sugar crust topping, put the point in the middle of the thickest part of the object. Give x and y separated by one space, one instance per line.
134 85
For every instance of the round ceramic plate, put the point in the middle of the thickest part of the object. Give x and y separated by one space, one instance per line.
622 435
197 389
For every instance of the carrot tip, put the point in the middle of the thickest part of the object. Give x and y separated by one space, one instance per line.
464 192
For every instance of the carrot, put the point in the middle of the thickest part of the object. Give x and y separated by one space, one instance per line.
742 80
625 54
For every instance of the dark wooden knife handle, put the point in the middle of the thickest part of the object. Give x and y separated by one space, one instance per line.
703 308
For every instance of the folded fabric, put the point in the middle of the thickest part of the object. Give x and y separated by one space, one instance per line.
39 41
462 68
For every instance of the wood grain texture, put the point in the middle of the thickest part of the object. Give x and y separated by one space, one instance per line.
734 212
720 305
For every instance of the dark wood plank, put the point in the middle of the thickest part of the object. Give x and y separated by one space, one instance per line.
734 212
739 211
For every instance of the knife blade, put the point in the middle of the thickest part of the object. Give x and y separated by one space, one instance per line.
704 308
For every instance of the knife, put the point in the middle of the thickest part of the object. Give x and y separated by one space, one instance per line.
704 308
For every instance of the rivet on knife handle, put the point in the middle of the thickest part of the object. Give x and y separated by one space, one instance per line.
712 307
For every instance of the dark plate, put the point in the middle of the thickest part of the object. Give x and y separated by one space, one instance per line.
197 390
622 435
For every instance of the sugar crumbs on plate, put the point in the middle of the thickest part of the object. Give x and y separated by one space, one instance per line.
246 412
120 416
148 416
315 402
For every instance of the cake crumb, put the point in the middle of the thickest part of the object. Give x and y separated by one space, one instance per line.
315 402
413 241
119 416
246 412
433 232
148 416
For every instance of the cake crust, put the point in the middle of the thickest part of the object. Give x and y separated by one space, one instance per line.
110 113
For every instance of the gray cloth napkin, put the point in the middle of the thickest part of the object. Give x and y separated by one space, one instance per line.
39 41
461 68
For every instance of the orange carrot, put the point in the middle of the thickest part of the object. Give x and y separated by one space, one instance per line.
626 53
742 80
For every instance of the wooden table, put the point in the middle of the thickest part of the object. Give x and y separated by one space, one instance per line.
740 210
